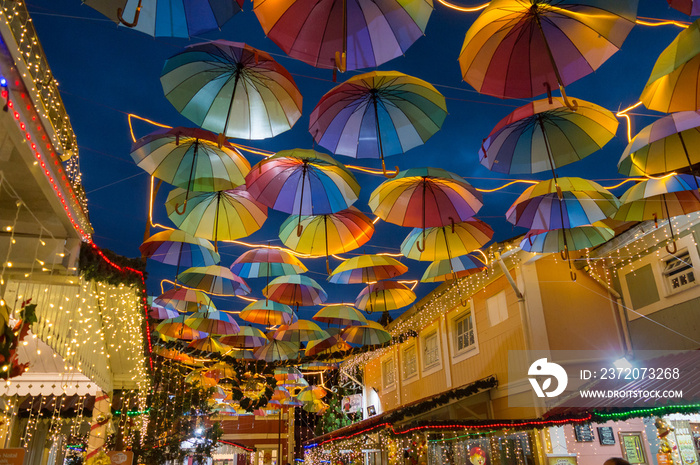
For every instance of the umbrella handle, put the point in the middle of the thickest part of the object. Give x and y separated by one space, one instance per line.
328 267
388 174
419 247
573 275
341 61
177 208
549 92
573 104
464 304
656 220
675 248
220 139
452 221
300 228
136 16
564 254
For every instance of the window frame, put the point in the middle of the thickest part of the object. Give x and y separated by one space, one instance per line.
416 373
387 387
428 332
471 350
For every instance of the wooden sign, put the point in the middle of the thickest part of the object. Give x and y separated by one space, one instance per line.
13 456
606 437
119 457
583 432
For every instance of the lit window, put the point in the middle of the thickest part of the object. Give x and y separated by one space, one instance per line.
409 361
464 332
431 350
388 372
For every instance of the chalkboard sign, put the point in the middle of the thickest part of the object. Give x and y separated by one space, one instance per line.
606 436
583 432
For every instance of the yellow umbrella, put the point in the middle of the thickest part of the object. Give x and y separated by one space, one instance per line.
370 334
384 296
341 315
367 268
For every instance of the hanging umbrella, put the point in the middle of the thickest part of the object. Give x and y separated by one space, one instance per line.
185 300
544 135
177 328
384 296
242 354
300 331
311 393
662 198
675 79
689 7
447 242
329 234
377 114
287 373
247 337
214 279
232 89
279 394
161 313
521 49
317 406
557 240
444 270
341 315
343 34
371 334
668 144
266 262
169 18
218 216
267 312
304 182
367 268
175 355
276 351
197 377
296 290
582 202
331 344
175 247
213 322
209 344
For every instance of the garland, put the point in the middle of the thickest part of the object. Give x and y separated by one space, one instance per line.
105 266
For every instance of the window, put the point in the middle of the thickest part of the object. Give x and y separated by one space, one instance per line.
463 332
388 372
642 282
497 308
409 358
678 272
431 350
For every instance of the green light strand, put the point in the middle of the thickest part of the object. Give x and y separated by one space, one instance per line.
643 412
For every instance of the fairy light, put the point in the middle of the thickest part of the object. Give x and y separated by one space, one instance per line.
644 21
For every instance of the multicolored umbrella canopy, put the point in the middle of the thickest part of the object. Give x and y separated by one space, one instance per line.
296 290
161 313
384 296
185 300
216 323
558 240
300 331
191 159
265 262
316 406
370 334
275 351
287 373
175 355
662 198
689 7
232 89
176 247
267 312
522 48
343 34
544 135
331 344
674 84
668 144
582 202
377 114
311 393
444 270
197 377
209 344
446 242
341 315
217 216
247 337
168 18
366 269
214 279
177 328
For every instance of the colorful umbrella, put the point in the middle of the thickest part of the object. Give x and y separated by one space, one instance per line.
384 296
267 312
266 262
287 373
344 35
689 7
242 354
209 344
197 377
214 279
218 216
232 89
300 331
175 355
161 313
668 144
581 203
558 240
341 315
276 351
544 135
366 269
521 49
176 247
328 234
247 337
377 114
459 267
311 393
177 328
304 182
674 84
370 334
317 406
448 241
168 18
213 322
185 300
331 344
296 290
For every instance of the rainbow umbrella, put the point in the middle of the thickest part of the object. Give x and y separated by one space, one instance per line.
341 315
689 7
185 300
319 365
367 268
218 216
377 114
371 334
247 337
384 296
291 384
168 18
267 312
287 373
546 134
316 406
668 144
328 234
197 377
311 393
300 331
562 203
521 49
331 344
558 240
266 262
222 371
213 322
161 313
178 328
176 247
343 34
279 394
447 241
303 181
175 355
232 89
276 351
444 270
209 344
214 279
662 198
675 79
242 354
296 290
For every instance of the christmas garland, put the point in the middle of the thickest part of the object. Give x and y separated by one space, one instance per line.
103 265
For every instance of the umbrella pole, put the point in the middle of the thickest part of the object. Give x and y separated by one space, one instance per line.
449 259
267 278
379 137
550 158
325 229
670 226
301 197
573 105
216 221
687 157
418 246
189 181
222 136
565 255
